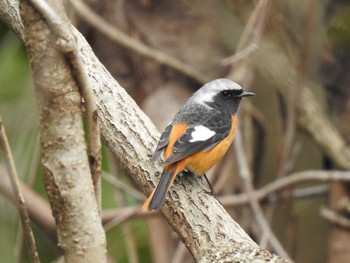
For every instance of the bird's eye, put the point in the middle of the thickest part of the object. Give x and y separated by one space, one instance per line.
226 94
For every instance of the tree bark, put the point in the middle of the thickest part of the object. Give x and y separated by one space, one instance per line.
203 224
67 175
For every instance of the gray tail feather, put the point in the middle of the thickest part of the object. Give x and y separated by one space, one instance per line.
161 190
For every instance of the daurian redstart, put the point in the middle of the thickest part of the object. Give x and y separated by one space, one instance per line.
198 136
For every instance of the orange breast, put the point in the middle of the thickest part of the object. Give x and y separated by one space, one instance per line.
202 161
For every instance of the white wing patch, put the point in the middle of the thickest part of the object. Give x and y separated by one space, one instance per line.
201 133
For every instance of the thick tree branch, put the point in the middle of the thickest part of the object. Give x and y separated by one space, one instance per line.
66 169
67 44
131 137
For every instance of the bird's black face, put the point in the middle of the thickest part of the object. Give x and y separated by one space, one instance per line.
228 100
230 94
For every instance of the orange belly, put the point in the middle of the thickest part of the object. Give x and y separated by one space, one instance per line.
199 163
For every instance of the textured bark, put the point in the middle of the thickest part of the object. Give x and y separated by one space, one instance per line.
67 175
202 223
204 226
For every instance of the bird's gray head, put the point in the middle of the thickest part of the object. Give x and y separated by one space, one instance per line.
221 94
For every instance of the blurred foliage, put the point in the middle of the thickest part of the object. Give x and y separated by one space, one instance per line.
339 29
17 109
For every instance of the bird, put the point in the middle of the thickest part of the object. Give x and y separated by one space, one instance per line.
198 136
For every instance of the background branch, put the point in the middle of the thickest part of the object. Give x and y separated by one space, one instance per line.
21 205
256 209
135 46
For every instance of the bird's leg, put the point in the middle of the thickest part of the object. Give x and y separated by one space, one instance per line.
211 192
211 189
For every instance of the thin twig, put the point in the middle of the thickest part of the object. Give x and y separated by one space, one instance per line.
10 165
312 191
257 211
121 186
32 172
242 54
291 127
252 35
133 45
20 241
47 222
127 230
38 208
116 217
291 216
94 142
124 214
335 218
285 182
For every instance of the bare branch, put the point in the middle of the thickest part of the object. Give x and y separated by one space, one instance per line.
242 72
21 205
285 182
121 186
311 117
257 211
135 46
38 209
335 218
93 129
115 217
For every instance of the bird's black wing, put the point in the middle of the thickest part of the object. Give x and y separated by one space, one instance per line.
163 141
188 143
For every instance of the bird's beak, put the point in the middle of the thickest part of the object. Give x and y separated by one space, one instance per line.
246 94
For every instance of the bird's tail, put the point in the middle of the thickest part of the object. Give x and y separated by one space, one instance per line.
156 199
